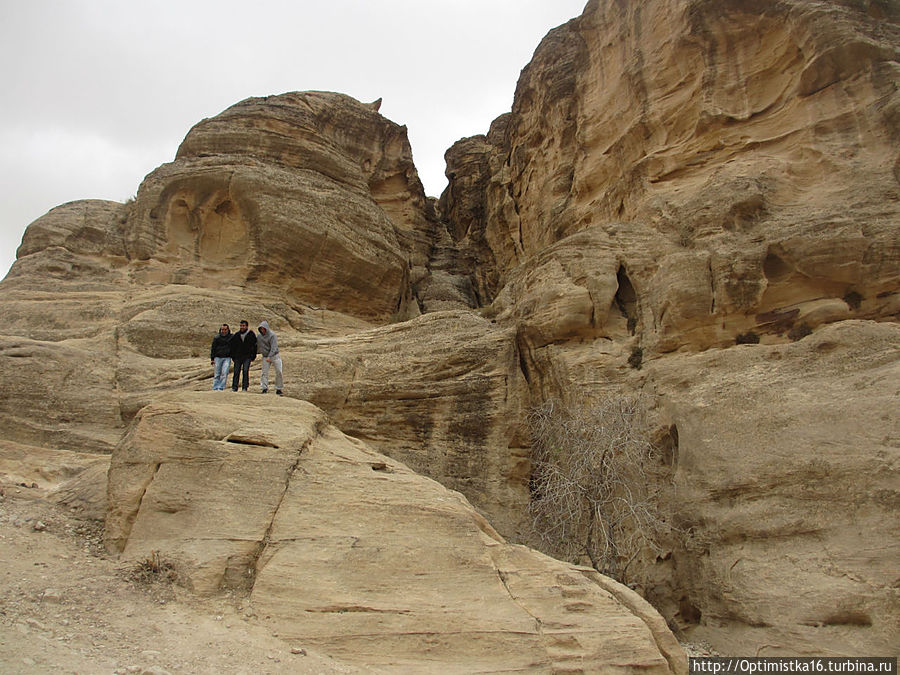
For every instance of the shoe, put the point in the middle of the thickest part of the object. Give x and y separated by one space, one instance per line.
264 391
234 389
278 391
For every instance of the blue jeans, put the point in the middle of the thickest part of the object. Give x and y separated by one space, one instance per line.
220 377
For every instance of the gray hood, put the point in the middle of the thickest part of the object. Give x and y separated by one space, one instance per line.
268 343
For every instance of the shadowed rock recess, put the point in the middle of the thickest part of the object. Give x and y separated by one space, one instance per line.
694 200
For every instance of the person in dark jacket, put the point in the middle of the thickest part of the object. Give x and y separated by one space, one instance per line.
243 351
220 357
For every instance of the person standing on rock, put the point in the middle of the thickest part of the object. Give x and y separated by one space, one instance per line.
268 348
220 357
243 352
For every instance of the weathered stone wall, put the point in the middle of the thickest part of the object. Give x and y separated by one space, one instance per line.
676 177
755 143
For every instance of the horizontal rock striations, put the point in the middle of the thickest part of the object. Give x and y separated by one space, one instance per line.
784 480
754 144
695 200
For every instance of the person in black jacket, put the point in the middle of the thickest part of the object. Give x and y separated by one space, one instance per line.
220 357
243 351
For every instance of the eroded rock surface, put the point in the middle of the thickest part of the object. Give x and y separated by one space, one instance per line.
753 145
785 462
697 199
352 552
683 176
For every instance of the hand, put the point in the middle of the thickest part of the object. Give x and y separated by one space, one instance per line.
212 362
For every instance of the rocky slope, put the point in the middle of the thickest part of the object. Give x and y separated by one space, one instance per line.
354 554
696 200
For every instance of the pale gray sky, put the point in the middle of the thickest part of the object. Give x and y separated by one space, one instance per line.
97 93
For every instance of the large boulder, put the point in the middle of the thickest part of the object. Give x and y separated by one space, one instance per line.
355 554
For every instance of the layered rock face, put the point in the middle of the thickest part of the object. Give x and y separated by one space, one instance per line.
310 195
785 482
443 393
675 177
303 208
680 176
752 146
353 553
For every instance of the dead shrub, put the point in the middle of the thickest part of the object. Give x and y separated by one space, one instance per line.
636 358
590 488
153 569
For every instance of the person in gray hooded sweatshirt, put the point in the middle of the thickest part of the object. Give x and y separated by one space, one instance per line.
267 342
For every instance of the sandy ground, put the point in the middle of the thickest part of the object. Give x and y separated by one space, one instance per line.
66 606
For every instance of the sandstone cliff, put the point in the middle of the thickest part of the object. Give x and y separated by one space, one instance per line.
693 199
679 176
737 163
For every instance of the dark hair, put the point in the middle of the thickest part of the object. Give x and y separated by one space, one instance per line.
246 322
225 325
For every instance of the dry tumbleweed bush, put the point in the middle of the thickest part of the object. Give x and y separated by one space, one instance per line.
590 490
153 569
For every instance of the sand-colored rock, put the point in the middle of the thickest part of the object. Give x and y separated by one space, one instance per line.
443 393
80 243
674 177
275 191
353 553
785 480
754 144
678 176
48 468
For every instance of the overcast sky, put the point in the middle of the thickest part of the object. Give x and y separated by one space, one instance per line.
96 94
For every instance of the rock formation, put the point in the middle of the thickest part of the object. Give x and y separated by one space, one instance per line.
352 553
695 199
737 162
784 462
679 176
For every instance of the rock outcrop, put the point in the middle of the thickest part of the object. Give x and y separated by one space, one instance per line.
784 463
679 177
696 199
354 554
750 147
443 393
